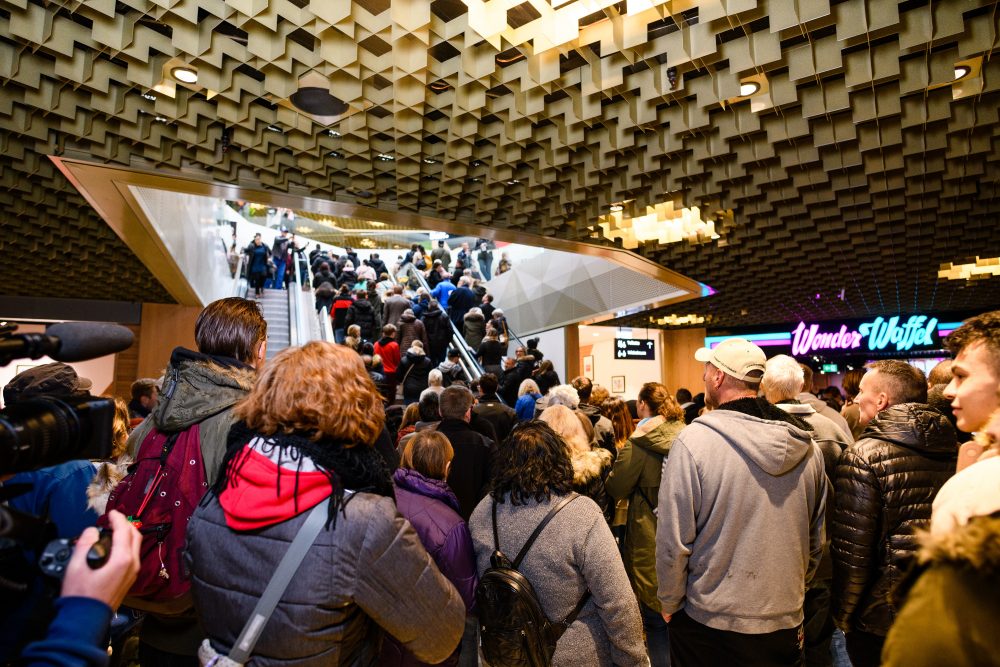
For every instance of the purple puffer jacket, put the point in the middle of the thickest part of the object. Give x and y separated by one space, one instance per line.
431 507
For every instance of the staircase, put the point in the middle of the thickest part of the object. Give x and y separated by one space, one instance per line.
274 305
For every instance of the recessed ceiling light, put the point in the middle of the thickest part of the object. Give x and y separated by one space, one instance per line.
962 71
513 181
335 154
184 74
161 119
149 96
430 160
333 133
385 157
615 208
273 128
748 88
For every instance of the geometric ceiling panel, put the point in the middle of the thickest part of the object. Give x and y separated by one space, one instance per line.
855 171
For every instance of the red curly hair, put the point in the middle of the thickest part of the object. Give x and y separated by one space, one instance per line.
319 390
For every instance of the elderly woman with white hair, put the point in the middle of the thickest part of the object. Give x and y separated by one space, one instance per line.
590 466
435 383
527 394
782 382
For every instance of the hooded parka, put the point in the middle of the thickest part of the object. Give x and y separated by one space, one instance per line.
636 478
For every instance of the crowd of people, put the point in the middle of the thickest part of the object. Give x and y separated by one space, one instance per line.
740 526
405 330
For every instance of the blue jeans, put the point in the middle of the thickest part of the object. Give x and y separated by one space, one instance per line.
657 637
339 335
279 276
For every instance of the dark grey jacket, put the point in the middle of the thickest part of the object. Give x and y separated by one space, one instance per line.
370 572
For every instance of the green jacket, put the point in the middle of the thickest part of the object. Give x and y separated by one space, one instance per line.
636 478
198 389
950 616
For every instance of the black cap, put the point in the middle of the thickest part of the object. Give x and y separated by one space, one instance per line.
55 379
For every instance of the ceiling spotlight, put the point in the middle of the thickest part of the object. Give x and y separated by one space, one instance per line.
748 88
185 74
333 133
430 160
962 71
477 163
273 128
385 157
161 119
149 96
335 154
513 181
616 208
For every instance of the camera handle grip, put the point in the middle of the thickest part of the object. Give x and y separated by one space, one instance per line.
100 551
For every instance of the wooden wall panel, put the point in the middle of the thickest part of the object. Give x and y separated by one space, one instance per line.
127 366
679 368
164 327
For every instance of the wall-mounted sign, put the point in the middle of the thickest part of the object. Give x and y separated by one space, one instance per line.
830 368
630 348
917 331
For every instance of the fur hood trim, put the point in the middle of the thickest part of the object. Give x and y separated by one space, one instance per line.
109 474
975 545
588 465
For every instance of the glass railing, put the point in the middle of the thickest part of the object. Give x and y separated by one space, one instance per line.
466 355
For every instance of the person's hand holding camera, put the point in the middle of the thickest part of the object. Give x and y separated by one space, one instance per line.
110 583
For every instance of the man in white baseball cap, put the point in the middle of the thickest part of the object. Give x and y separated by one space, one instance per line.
740 521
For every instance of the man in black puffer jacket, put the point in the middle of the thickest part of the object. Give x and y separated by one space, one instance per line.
886 482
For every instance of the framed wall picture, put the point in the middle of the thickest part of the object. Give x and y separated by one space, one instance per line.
588 367
617 384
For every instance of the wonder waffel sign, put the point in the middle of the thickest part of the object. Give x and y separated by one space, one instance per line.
893 333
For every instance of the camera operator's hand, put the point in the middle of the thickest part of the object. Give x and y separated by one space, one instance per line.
110 583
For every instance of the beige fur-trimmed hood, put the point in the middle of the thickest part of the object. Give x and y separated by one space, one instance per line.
587 465
975 544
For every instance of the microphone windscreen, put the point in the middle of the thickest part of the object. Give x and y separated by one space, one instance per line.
80 341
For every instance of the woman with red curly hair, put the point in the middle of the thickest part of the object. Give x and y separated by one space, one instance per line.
297 444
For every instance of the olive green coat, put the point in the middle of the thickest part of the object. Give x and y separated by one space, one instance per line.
198 389
637 474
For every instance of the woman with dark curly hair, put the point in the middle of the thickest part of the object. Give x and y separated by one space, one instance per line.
574 555
298 444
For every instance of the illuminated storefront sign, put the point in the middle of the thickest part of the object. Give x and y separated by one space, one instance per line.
917 331
902 333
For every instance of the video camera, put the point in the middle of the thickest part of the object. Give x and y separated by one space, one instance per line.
44 431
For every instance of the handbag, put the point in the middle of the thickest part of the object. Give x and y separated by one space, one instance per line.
254 627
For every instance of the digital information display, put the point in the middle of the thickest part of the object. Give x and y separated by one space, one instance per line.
630 348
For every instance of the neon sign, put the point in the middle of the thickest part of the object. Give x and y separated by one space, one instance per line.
915 332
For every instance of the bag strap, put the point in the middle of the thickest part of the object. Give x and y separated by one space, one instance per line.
652 506
548 517
290 562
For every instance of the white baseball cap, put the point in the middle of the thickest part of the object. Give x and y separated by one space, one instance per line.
735 357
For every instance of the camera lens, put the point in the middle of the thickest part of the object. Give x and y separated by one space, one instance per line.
41 432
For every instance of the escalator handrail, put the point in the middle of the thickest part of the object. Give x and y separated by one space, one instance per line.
325 327
240 285
465 352
304 301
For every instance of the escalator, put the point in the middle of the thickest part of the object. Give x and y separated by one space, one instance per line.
467 356
290 314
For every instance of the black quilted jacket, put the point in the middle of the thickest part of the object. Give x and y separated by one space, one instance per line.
885 484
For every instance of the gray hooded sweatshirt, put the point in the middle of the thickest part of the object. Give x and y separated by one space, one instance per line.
740 526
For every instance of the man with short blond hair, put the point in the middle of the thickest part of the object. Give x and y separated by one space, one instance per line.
885 483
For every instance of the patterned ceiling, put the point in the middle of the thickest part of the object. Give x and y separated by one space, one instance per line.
857 169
